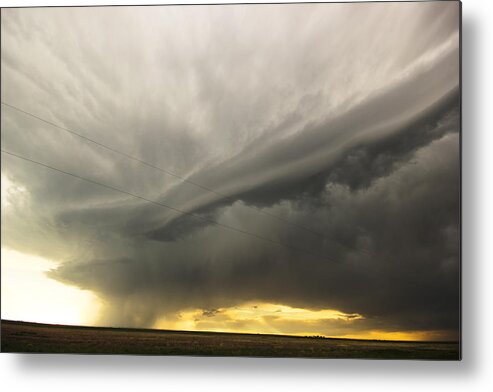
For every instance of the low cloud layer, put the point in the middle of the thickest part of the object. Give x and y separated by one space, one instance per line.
341 118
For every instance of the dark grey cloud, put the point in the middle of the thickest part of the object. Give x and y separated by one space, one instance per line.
354 135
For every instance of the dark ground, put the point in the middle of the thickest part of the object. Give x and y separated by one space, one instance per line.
44 338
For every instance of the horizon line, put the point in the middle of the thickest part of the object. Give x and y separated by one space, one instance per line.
158 330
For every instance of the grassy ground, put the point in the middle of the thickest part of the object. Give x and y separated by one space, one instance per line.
44 338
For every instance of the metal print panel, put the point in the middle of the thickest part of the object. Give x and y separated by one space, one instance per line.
232 180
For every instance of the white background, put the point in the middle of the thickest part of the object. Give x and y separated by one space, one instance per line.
474 373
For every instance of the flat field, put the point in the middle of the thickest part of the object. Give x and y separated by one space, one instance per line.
45 338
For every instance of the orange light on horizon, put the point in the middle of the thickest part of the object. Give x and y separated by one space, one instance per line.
270 318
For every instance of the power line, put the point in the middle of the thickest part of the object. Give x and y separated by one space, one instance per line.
181 178
177 210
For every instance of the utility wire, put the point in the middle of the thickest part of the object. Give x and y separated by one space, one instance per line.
183 179
177 210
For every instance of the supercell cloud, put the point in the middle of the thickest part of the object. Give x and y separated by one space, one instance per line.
341 118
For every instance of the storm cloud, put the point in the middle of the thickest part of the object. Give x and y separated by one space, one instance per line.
343 119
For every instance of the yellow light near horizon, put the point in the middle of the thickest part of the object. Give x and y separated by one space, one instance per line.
251 309
29 295
252 317
401 335
269 318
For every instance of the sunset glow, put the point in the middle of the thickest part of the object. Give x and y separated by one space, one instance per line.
269 318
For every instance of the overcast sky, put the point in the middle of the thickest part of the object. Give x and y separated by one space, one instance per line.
341 118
